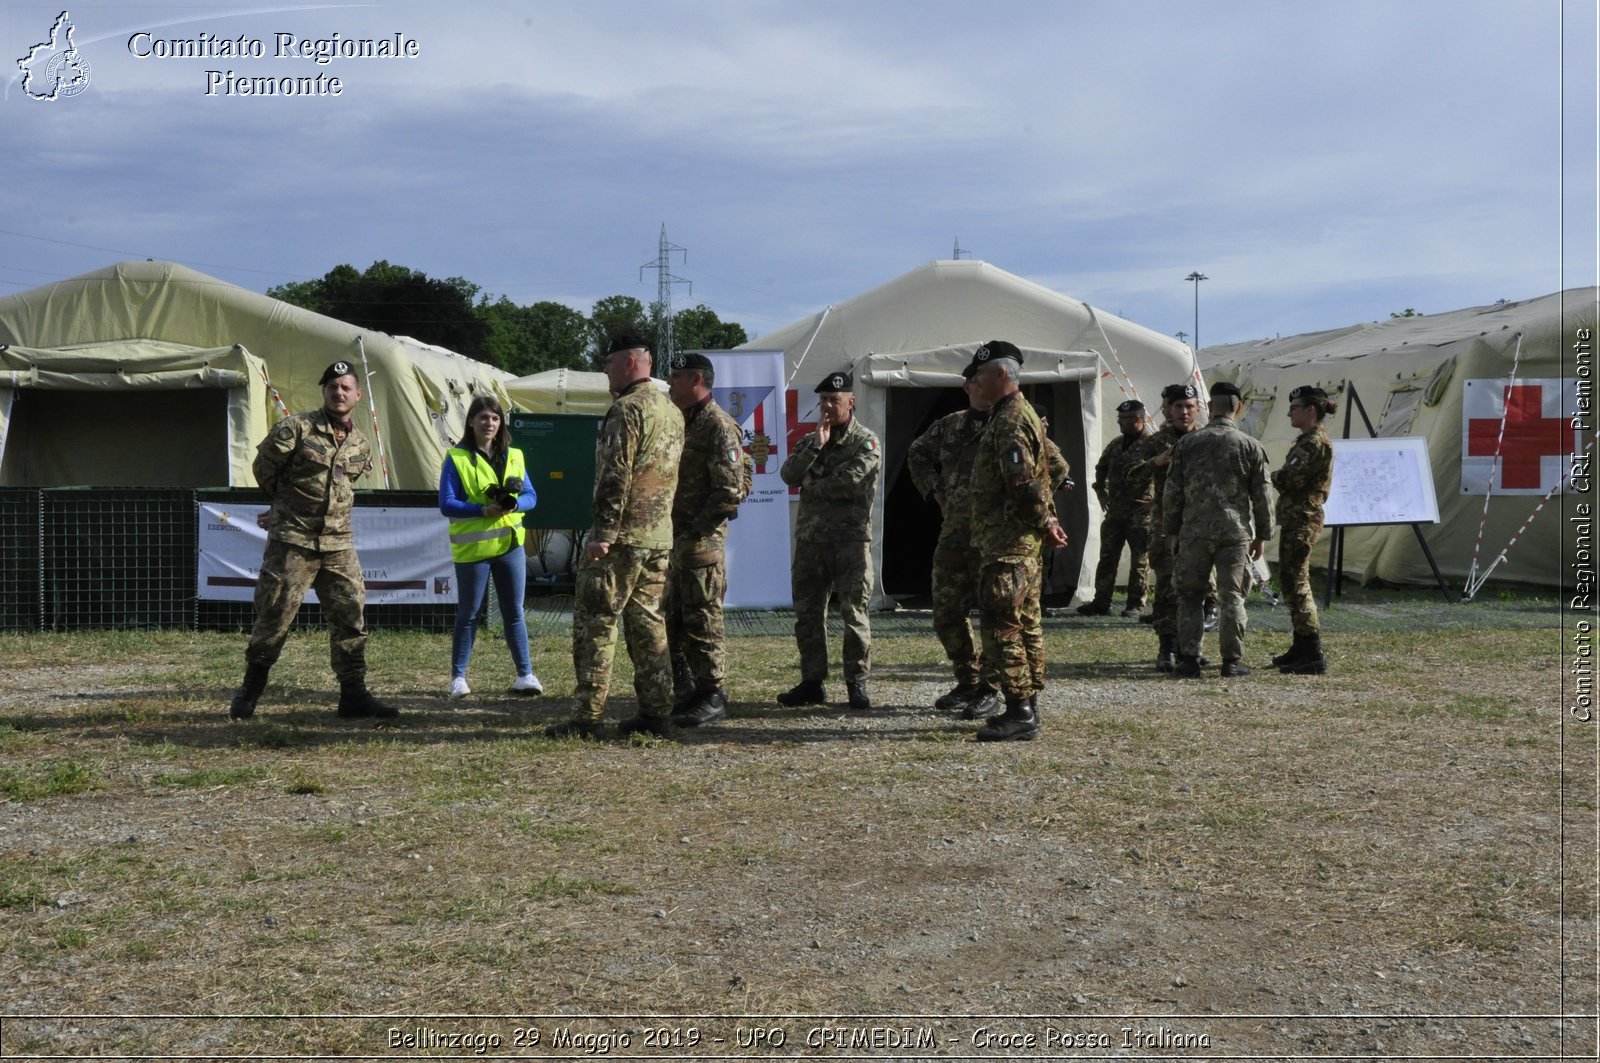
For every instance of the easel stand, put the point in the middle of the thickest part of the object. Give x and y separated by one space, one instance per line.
1336 544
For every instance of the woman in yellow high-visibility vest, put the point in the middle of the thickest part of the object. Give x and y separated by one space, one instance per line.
483 489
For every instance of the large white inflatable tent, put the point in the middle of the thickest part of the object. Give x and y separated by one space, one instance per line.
907 340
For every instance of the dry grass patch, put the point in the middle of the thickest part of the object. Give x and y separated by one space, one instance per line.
1384 838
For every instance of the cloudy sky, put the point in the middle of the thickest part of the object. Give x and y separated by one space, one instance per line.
1322 163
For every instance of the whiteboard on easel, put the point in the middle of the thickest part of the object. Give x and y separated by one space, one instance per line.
1381 481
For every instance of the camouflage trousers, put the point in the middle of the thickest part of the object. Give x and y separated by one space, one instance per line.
626 583
955 594
1197 559
1294 576
820 571
287 573
1013 637
1162 565
1116 533
693 605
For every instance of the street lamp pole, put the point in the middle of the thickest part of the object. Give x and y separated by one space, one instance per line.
1197 277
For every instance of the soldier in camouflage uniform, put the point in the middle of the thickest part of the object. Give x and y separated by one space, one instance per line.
1180 406
1012 517
624 570
1216 494
940 463
712 481
1302 485
836 468
1125 484
308 465
1060 474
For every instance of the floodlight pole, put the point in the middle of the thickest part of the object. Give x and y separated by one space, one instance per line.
1197 277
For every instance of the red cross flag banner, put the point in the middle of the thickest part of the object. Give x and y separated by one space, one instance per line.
1536 444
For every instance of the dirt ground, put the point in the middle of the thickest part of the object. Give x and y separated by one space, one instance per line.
1396 860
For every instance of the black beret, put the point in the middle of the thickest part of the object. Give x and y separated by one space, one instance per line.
1224 387
1130 406
626 342
1179 392
1307 393
836 381
336 370
968 370
692 360
989 352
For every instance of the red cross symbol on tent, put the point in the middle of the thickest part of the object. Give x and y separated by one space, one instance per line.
1529 436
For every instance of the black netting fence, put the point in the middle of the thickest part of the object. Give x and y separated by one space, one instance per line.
85 557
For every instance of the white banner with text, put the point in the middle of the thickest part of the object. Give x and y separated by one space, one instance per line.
405 554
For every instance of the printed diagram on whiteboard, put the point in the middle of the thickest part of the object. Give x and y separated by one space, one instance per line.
1381 481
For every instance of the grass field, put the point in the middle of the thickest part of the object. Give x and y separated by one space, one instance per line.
1395 859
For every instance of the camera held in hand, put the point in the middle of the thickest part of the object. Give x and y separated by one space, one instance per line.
505 495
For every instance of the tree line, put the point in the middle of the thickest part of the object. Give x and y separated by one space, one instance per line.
459 315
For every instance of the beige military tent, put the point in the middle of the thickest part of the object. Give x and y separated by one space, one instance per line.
561 391
907 341
152 374
1447 378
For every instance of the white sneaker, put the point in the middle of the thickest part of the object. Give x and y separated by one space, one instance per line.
528 684
459 688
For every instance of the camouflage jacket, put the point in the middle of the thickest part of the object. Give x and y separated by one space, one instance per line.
1151 448
711 483
1217 486
1124 480
838 484
636 468
940 460
1060 468
311 477
1303 481
1011 498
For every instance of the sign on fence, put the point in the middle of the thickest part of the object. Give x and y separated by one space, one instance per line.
405 554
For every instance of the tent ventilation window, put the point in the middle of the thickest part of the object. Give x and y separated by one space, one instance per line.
1401 411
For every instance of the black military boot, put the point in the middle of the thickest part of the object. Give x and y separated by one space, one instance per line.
684 691
593 730
982 706
1292 654
856 693
357 703
707 707
1019 723
653 726
1310 662
1095 608
958 696
807 692
1186 667
1233 670
244 701
1167 655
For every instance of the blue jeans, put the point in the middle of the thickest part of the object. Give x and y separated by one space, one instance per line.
510 571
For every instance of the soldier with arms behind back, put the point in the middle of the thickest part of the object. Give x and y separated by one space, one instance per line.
1218 515
1303 484
624 569
308 465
